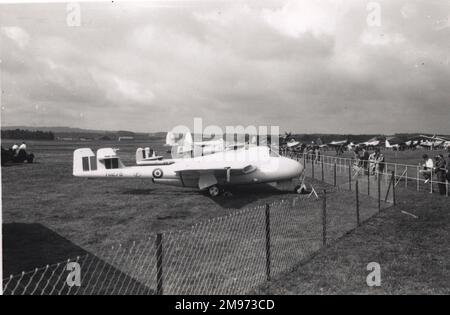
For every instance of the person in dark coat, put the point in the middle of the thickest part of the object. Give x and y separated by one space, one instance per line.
365 160
440 171
448 168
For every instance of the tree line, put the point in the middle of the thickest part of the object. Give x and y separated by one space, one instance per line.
27 134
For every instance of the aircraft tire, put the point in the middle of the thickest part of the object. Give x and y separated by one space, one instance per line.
226 193
214 191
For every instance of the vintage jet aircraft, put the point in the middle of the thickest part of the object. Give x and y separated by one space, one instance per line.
334 144
183 145
433 142
394 143
372 143
292 143
213 172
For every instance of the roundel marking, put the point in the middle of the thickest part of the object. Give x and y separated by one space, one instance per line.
157 173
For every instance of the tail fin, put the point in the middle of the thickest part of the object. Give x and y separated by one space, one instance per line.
140 155
84 160
144 153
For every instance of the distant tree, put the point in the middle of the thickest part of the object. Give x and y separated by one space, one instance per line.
124 133
27 134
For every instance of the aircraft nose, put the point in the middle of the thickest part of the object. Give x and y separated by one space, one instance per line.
293 167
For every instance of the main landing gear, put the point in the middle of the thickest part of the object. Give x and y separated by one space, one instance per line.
214 191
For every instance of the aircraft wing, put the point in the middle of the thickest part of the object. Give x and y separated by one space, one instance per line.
442 138
206 176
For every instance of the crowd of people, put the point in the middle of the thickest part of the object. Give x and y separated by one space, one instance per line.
17 148
17 154
373 163
440 167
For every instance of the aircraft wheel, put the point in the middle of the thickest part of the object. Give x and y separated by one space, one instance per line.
214 191
227 194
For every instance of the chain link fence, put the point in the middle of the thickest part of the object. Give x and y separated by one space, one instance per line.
231 254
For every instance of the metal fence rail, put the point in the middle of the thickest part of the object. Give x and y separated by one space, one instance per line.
341 171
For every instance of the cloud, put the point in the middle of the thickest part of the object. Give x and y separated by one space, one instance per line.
296 18
17 34
376 38
120 89
307 66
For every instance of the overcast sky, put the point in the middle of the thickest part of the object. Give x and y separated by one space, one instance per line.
307 66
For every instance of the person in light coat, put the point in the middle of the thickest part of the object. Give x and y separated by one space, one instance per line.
428 166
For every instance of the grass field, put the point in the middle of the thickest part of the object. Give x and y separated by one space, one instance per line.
412 251
49 215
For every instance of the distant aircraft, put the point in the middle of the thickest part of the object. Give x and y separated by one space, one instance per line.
214 172
147 156
292 143
182 145
433 142
338 143
394 143
371 143
446 143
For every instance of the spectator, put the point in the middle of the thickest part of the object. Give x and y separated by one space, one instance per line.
373 162
440 173
448 168
365 159
23 146
380 161
317 154
356 157
428 166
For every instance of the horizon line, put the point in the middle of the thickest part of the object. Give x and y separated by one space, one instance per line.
281 133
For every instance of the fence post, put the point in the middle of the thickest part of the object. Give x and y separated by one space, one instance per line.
393 187
312 165
368 179
395 170
357 202
418 172
323 179
350 175
406 177
334 172
446 188
324 218
379 191
431 181
159 267
268 242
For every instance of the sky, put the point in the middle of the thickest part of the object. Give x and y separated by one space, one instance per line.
325 66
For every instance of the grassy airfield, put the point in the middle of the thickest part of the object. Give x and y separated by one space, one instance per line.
46 208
